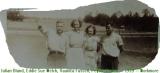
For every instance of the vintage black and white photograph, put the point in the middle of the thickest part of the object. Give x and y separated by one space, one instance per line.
115 35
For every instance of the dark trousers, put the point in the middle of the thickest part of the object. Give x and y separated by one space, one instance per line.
56 60
109 62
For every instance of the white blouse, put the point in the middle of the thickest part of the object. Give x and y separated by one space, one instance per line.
91 43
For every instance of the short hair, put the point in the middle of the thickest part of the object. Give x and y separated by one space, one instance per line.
73 23
108 25
58 21
93 27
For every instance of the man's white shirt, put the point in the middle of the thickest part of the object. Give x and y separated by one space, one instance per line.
56 42
110 45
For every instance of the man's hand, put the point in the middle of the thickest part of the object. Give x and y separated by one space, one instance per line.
39 27
121 48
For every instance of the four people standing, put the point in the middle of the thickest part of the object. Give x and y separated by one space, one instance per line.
78 49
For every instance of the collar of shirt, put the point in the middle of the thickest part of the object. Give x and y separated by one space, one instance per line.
78 30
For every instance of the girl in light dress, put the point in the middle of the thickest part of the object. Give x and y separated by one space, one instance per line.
91 43
75 50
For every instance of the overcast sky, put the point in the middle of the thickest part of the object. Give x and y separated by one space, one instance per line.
107 8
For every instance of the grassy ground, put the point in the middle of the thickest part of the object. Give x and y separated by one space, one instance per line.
30 51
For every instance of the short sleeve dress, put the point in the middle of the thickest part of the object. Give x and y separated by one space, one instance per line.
75 52
91 55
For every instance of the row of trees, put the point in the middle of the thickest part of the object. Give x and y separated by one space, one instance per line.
130 22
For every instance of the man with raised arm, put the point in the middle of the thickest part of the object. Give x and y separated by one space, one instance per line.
56 44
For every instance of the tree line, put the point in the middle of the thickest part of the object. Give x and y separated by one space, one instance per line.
130 22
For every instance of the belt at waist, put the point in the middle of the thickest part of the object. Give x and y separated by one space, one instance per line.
90 50
56 52
75 46
109 56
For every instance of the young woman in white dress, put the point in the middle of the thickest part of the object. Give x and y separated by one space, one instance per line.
91 43
75 50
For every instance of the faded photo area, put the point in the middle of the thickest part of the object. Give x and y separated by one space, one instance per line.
116 35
